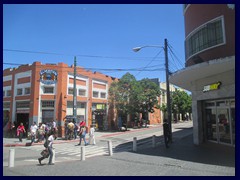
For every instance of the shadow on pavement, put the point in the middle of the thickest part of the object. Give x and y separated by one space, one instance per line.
183 148
206 153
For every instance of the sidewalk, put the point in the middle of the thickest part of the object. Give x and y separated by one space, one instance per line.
12 142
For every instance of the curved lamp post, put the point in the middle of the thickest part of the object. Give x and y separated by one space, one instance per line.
136 49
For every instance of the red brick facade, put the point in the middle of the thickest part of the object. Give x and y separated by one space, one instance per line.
43 92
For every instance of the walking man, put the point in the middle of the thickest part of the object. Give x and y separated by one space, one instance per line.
91 135
33 130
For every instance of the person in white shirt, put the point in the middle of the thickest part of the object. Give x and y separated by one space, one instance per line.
50 148
33 131
91 135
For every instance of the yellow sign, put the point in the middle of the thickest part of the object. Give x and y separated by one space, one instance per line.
211 87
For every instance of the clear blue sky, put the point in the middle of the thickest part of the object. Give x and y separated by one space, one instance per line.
100 35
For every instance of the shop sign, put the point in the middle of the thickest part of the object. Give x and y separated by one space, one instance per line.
100 106
212 87
48 76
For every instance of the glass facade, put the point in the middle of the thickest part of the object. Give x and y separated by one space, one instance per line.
207 36
219 120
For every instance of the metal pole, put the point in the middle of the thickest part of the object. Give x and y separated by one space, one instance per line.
153 141
11 158
74 91
82 153
135 144
110 148
168 91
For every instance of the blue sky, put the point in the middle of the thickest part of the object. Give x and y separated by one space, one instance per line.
100 35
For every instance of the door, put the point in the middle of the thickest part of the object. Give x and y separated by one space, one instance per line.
223 126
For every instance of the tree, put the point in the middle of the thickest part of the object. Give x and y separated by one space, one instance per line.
132 97
181 102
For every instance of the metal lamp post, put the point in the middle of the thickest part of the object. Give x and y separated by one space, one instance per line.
136 49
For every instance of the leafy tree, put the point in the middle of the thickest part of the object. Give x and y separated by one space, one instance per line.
133 97
181 102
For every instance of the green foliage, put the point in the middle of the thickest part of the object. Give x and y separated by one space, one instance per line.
131 96
181 102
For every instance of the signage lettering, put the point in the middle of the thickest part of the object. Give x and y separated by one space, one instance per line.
211 87
48 76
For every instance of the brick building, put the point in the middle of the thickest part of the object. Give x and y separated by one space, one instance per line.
43 92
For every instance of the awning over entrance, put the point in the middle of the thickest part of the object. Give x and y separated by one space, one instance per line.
186 76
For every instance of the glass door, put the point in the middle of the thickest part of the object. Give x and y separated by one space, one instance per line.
211 124
220 121
223 125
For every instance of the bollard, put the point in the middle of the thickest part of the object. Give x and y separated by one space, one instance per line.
154 141
110 148
135 144
53 159
11 157
83 153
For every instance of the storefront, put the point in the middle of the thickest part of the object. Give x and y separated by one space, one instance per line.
99 119
219 121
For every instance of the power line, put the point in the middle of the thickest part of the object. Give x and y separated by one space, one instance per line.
178 60
86 56
149 62
104 69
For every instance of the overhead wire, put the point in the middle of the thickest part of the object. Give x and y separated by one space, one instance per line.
150 62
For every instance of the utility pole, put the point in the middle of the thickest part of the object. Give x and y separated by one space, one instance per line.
74 91
169 113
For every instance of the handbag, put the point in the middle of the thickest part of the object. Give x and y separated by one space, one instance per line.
45 153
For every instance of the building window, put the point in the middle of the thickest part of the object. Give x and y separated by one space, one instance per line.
103 95
6 105
8 93
47 104
3 93
82 92
95 94
48 90
209 35
19 92
70 91
27 90
23 104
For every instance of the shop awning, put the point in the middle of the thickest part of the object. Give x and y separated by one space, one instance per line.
186 76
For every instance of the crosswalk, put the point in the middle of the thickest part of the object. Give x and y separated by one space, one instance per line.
69 151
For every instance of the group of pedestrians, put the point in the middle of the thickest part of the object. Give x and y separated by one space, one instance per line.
82 131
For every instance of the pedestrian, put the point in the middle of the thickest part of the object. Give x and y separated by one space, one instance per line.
92 135
70 130
75 130
54 128
82 133
20 131
49 148
41 132
33 131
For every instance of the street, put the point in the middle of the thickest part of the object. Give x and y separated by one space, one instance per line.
182 158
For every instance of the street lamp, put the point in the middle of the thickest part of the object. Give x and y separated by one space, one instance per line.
136 49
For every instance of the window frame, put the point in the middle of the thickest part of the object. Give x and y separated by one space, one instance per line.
212 35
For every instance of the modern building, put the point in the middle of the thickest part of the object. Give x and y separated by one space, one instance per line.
44 92
209 71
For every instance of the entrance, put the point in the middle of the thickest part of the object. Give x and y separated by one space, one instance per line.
23 118
220 121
